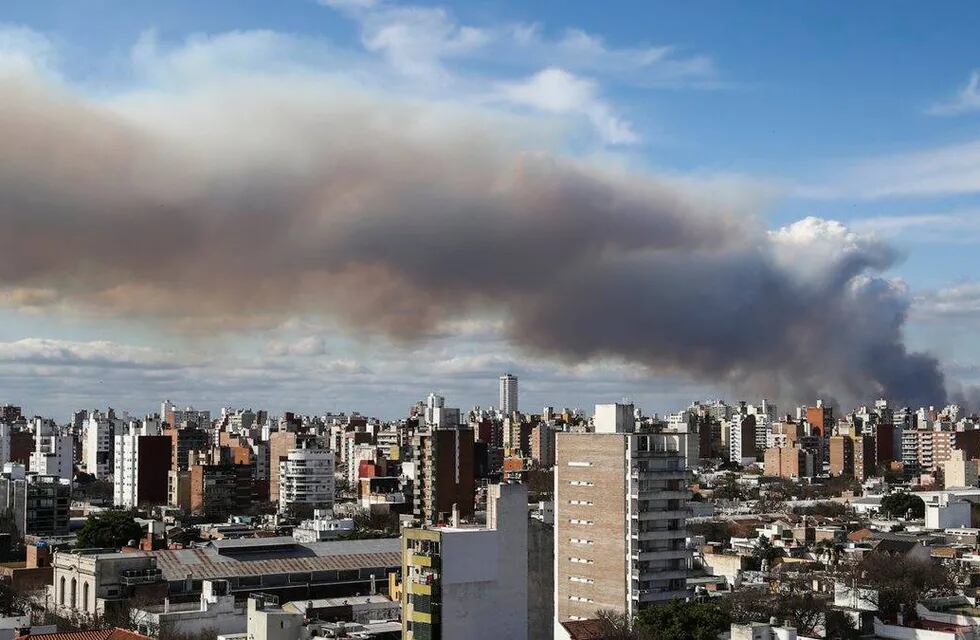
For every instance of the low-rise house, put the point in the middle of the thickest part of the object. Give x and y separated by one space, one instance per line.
216 612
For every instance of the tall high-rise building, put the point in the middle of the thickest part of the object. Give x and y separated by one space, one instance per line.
508 393
821 419
620 518
306 480
54 450
141 462
446 475
469 582
99 444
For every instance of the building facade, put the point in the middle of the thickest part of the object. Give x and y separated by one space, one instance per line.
508 394
612 553
306 479
469 582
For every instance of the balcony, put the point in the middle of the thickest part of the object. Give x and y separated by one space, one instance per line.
657 595
660 534
140 576
678 514
666 574
665 554
660 494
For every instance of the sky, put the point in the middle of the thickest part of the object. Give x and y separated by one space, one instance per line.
344 205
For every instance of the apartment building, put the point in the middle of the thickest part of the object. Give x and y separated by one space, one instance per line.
789 462
543 445
924 450
99 444
39 504
469 582
620 518
959 471
852 456
54 451
445 473
306 480
142 461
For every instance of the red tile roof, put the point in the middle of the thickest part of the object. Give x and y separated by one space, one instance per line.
94 634
584 629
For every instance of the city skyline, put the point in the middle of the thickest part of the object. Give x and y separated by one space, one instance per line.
841 271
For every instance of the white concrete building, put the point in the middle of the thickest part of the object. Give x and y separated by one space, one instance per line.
216 612
126 460
356 454
306 477
946 510
508 394
322 526
4 443
468 582
99 444
266 621
54 451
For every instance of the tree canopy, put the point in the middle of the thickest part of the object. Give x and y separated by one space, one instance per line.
109 529
679 620
902 504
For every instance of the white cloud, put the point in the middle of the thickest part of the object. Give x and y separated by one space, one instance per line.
558 91
957 301
955 227
949 170
98 353
307 347
26 52
966 99
420 39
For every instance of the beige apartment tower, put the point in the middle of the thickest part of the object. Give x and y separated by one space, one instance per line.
620 518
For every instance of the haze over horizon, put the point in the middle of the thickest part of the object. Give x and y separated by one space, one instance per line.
345 205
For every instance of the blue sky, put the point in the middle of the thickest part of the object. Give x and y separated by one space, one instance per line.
862 113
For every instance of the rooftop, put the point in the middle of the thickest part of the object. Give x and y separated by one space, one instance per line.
231 558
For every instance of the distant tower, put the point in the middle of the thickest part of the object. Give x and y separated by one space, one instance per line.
508 393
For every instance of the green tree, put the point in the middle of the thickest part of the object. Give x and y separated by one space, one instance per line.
109 529
679 620
902 504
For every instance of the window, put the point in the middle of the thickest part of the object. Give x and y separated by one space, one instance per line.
581 580
579 599
581 561
580 541
581 483
587 523
579 463
61 598
581 503
74 587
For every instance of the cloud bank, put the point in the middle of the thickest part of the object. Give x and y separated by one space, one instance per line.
238 202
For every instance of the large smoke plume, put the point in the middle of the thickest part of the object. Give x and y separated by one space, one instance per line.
255 199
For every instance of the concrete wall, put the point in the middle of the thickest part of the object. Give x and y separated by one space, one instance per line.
540 579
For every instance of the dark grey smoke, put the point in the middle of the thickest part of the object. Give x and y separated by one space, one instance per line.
240 206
